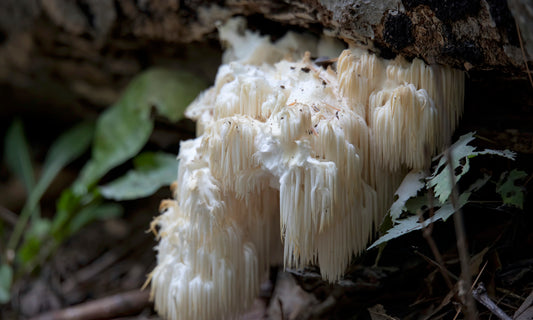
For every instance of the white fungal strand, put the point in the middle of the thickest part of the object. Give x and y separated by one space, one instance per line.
293 164
359 74
403 121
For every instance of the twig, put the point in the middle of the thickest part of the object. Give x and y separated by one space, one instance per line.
480 294
479 275
428 259
121 304
433 246
101 264
511 294
281 309
472 288
8 216
462 247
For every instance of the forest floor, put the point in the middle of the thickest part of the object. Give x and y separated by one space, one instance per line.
98 273
113 258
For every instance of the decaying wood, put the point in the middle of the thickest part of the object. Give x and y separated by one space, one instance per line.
86 50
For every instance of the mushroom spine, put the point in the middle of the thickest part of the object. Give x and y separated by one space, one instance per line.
293 164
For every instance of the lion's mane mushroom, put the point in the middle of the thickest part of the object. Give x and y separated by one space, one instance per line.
287 147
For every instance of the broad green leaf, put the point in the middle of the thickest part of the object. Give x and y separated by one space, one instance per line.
461 153
169 91
119 136
64 150
124 128
6 279
17 155
68 205
511 193
34 237
152 171
410 186
69 146
92 213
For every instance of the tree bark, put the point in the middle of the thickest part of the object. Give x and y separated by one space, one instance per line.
72 53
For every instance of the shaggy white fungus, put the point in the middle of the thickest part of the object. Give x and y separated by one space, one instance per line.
292 164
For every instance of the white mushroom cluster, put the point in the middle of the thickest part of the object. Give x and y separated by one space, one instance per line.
293 163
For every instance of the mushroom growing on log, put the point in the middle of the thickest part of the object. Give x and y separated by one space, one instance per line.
286 147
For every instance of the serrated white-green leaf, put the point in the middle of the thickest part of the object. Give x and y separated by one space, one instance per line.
460 151
412 223
153 171
502 153
441 181
410 186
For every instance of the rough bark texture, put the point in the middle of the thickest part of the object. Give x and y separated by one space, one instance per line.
62 50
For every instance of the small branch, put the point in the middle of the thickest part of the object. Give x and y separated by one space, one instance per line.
480 294
436 264
105 261
281 309
462 247
428 230
122 304
8 216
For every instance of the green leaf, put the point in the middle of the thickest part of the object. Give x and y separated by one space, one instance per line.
6 279
511 193
169 91
34 237
67 147
124 128
64 150
152 171
119 136
460 152
92 213
17 155
68 205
